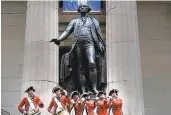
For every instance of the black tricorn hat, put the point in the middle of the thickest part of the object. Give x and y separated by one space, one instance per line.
55 89
74 93
90 93
112 91
30 88
100 92
84 95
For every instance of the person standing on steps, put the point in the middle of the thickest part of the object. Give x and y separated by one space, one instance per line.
102 104
116 103
59 103
89 104
31 102
77 104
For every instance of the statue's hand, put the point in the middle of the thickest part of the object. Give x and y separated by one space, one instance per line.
56 41
53 40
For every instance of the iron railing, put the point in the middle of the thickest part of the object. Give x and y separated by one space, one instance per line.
3 112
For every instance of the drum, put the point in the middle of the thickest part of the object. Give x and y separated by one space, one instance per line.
95 114
38 113
31 112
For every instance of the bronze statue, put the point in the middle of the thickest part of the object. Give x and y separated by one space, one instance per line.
86 57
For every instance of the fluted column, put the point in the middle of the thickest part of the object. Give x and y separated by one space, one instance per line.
41 56
123 55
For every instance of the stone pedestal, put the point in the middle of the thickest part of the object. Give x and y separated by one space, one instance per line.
123 56
41 56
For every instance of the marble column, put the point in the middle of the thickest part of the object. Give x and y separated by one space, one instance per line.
123 55
41 56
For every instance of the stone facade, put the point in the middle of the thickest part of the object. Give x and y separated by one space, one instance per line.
41 56
155 46
123 55
154 23
12 39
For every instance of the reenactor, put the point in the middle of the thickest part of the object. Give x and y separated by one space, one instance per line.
31 102
59 102
102 104
116 103
89 104
77 104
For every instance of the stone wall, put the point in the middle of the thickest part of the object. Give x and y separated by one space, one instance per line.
154 20
12 41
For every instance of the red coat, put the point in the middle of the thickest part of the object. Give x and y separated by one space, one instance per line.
24 102
63 99
90 107
117 104
78 108
103 106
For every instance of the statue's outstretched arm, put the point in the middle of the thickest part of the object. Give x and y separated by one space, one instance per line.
68 31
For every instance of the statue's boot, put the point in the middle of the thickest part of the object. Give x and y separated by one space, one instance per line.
95 91
93 79
82 82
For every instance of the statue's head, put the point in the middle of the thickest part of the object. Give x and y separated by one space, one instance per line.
83 6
